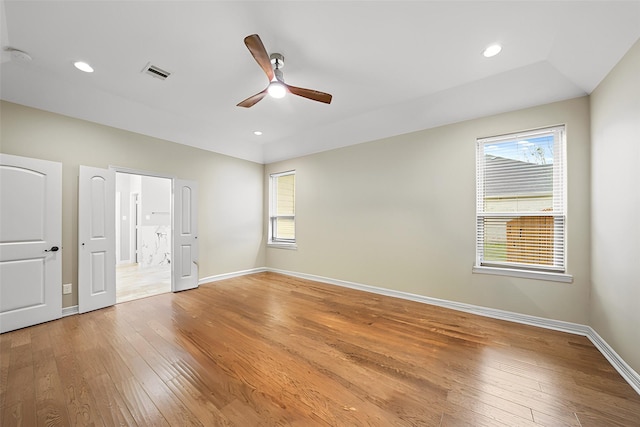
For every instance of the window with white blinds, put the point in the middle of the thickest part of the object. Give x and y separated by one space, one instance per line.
282 208
520 201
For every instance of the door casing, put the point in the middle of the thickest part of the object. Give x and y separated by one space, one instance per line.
180 278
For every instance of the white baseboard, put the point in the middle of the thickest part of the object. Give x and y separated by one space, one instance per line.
69 311
627 372
631 376
224 276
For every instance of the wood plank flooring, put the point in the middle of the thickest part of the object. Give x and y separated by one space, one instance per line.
268 349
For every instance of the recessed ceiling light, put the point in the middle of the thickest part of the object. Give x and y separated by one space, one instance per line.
492 50
257 132
83 66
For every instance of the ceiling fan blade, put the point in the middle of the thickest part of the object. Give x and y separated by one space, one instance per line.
253 99
310 94
257 49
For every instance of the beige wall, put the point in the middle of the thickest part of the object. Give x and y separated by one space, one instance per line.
399 213
615 208
230 190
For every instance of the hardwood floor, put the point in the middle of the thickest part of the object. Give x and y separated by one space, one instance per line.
268 350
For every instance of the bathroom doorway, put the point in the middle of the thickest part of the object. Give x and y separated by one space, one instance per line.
143 236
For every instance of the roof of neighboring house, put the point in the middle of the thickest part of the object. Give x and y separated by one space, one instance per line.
525 179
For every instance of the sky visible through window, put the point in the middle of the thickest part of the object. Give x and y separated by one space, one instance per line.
535 150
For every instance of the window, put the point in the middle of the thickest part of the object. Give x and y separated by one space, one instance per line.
520 201
282 208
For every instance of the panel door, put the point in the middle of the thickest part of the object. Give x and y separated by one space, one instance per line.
30 241
184 266
96 239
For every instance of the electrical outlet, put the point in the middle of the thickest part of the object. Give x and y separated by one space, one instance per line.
66 288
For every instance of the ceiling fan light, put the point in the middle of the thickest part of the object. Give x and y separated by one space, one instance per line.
277 89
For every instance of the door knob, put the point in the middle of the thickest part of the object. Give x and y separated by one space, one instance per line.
53 249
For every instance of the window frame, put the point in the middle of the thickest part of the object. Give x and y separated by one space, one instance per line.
272 240
558 213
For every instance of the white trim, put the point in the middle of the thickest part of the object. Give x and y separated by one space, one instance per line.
525 274
523 134
629 375
559 197
281 245
120 169
231 275
627 372
273 194
69 311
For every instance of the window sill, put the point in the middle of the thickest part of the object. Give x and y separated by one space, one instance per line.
281 245
525 274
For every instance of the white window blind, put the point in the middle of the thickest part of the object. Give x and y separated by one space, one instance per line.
520 201
282 207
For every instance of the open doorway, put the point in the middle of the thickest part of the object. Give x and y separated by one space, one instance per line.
143 236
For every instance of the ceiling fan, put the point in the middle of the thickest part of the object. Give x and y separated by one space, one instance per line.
272 67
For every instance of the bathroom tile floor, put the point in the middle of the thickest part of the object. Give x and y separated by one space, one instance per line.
134 282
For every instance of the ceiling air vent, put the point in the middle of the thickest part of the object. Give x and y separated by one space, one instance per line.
156 72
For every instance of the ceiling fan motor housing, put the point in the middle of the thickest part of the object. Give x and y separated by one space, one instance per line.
277 60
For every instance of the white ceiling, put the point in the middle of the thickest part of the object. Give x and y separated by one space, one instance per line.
392 66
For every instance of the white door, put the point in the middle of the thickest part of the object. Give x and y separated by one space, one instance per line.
96 239
30 241
184 266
